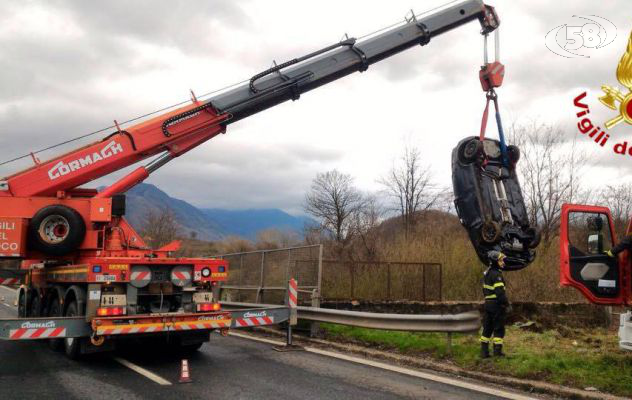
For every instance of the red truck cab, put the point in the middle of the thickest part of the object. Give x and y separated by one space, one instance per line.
586 234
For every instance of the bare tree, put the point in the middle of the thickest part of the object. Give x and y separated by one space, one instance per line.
618 199
159 227
410 186
366 225
549 169
332 201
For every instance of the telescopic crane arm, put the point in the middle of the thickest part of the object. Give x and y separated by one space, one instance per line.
181 130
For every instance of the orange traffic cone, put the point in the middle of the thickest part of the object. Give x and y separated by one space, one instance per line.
184 372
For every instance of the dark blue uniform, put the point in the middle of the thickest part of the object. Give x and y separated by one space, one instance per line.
495 308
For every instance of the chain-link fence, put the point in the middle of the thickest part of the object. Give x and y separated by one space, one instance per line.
262 276
381 280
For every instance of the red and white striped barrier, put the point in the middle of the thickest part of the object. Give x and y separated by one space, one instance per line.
36 333
253 321
160 327
9 281
293 293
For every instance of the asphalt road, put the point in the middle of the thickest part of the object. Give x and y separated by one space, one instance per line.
225 368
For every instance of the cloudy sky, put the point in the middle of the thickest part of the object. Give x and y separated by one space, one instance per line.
71 67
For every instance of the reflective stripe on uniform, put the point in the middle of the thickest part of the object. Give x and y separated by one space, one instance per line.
491 296
498 340
498 284
485 339
488 287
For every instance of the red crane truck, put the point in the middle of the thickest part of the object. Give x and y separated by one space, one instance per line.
88 277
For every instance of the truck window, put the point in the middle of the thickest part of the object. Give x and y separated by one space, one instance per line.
588 233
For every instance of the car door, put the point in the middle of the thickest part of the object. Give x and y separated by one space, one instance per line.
586 232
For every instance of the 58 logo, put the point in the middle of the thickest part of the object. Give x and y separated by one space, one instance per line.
569 40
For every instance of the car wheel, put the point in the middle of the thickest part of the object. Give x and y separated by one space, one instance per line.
56 230
470 151
536 237
490 232
513 153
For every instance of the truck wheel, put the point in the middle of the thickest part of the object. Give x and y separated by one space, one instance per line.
470 151
22 305
490 232
513 152
36 304
71 345
54 310
56 230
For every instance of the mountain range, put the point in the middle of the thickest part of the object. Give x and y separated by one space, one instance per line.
209 223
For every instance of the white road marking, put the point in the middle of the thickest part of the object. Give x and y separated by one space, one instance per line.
404 371
147 374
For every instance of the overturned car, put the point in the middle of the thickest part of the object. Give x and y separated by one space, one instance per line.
489 201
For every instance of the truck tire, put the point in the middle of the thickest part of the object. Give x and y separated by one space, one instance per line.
72 346
470 151
23 305
56 230
36 304
54 310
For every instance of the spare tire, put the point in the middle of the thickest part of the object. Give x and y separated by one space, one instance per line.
56 230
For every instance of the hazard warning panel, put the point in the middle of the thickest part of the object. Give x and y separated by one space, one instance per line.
12 237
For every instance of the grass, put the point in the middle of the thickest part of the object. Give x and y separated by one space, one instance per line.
586 358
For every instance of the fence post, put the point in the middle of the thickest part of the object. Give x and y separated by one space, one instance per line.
260 291
352 272
388 281
319 284
314 326
241 283
440 282
423 287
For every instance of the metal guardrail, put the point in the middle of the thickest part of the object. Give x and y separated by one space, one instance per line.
446 323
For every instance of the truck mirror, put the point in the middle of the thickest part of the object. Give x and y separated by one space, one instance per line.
595 243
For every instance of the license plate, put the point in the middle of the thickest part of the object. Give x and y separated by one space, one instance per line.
113 300
106 278
202 297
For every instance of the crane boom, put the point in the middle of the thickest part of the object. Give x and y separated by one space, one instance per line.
179 131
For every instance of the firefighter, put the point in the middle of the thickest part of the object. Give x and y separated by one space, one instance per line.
624 244
496 304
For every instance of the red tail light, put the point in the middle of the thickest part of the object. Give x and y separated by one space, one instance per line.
208 307
111 311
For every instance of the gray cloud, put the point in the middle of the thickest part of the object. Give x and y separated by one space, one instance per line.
52 86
